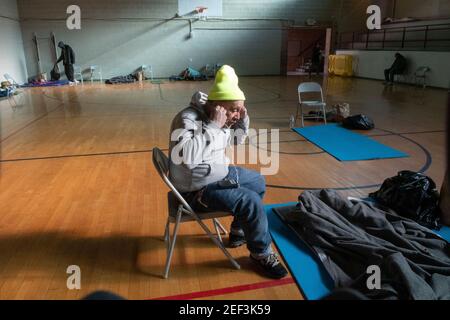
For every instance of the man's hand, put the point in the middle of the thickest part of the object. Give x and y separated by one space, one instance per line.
219 116
199 99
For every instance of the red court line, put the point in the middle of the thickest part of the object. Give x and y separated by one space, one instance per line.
222 291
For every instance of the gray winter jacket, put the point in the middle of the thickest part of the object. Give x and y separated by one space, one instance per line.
197 148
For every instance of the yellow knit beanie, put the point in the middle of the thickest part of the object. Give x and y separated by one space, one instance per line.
226 86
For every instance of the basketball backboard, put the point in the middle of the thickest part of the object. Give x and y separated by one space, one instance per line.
213 8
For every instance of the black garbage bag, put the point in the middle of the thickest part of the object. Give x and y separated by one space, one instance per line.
412 195
54 74
358 122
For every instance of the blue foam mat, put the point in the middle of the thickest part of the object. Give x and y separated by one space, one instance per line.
309 274
346 145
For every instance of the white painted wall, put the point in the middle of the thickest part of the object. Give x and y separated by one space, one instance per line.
121 47
371 64
12 58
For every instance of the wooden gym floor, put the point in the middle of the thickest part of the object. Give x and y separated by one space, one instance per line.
78 187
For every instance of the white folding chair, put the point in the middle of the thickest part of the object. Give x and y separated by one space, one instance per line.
77 71
421 76
96 70
310 87
147 69
11 90
180 212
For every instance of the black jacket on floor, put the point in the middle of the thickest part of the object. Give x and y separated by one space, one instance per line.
349 237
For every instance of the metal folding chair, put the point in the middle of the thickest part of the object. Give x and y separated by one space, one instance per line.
11 90
77 71
421 76
11 80
180 212
310 87
147 69
95 70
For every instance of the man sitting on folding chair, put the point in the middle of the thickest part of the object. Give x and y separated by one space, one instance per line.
199 167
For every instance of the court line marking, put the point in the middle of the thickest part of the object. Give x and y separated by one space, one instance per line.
32 122
228 290
150 150
81 155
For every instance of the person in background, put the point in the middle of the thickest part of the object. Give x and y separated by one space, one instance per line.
68 59
316 59
398 67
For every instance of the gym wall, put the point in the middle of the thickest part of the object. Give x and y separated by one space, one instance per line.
12 57
122 35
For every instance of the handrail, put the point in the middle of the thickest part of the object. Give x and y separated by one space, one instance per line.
381 36
313 43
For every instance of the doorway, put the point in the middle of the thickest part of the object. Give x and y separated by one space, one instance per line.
300 43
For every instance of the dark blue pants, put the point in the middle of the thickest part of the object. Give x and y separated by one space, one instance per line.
246 205
390 73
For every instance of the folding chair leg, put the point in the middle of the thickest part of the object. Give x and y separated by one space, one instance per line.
296 114
172 245
166 231
13 105
224 231
324 114
301 115
217 231
218 243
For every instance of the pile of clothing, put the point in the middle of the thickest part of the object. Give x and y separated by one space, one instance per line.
189 74
7 89
350 237
122 79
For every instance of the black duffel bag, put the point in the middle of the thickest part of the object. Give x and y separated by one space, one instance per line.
54 74
358 122
411 195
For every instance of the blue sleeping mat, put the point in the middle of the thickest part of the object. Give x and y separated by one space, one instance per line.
346 145
46 84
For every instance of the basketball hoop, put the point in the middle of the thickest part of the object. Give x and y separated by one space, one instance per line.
201 9
201 12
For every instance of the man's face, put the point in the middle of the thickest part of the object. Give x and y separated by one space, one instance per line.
234 109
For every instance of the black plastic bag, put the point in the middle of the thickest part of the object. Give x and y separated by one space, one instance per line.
411 195
358 122
55 73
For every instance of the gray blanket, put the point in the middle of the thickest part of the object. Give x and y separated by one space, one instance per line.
349 237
